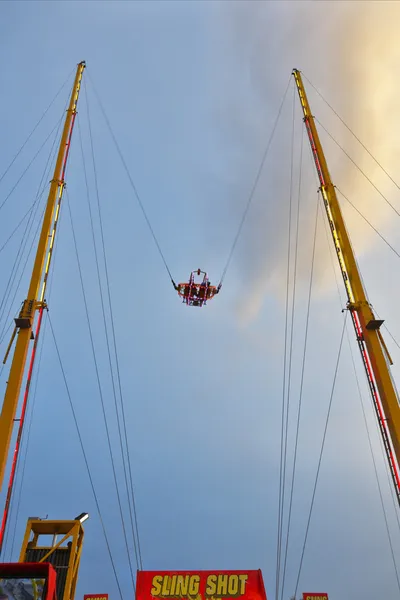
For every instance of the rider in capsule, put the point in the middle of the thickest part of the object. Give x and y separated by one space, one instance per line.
196 294
204 288
212 291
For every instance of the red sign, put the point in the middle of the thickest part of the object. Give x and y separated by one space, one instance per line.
200 585
314 596
95 597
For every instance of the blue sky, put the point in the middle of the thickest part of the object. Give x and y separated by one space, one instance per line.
192 90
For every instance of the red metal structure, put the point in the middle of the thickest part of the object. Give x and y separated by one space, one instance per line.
16 578
197 293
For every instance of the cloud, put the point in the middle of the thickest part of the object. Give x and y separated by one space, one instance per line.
346 57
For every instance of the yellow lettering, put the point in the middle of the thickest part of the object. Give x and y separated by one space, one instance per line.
194 585
157 581
165 587
173 584
182 584
211 587
233 585
222 585
243 578
218 586
225 586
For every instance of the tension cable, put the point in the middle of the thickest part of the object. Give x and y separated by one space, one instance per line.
131 181
253 189
352 132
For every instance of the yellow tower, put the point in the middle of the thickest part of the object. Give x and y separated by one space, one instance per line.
64 554
372 347
35 301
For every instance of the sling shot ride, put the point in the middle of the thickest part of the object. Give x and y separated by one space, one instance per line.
197 293
58 562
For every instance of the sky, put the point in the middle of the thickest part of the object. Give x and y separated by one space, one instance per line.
192 90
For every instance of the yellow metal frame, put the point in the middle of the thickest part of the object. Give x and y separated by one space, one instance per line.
71 532
355 291
24 322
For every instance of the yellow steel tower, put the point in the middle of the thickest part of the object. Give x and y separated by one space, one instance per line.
369 338
34 301
65 558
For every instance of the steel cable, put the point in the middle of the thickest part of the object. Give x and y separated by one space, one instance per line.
285 421
85 458
369 223
134 188
321 452
366 423
352 133
34 129
357 167
253 189
133 518
100 392
293 475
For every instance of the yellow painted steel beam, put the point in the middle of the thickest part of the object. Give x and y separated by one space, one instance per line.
355 290
26 317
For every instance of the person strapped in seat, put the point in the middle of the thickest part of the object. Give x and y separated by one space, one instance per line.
196 293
